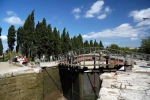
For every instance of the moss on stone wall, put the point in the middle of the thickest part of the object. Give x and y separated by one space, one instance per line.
36 86
51 92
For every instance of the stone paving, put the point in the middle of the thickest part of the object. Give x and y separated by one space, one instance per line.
10 70
130 85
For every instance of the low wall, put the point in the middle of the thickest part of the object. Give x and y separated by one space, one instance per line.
31 86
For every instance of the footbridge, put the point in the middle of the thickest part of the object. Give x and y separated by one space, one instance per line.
94 59
79 70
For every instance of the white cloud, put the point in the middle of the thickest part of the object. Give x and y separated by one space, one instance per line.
133 39
98 10
123 31
14 19
76 12
139 15
11 13
144 23
95 9
102 16
77 16
107 9
3 37
107 43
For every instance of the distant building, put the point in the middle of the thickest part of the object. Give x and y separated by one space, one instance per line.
133 47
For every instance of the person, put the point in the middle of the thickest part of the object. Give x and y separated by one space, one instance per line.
25 62
15 60
20 59
51 58
43 58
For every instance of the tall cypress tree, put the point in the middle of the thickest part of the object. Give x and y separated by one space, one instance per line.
74 43
1 45
43 37
91 43
66 42
57 42
20 40
29 33
80 39
38 36
100 44
95 43
51 38
11 38
86 43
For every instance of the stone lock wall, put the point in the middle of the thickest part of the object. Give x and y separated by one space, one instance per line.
32 86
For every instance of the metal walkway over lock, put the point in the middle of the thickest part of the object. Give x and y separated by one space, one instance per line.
91 60
94 59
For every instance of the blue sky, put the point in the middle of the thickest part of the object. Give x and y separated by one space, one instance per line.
112 21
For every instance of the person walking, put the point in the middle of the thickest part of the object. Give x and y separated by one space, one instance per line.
43 58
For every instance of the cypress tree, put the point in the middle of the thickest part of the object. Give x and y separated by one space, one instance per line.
11 38
95 43
100 44
80 41
86 43
29 33
50 40
74 43
57 42
91 43
66 41
1 45
20 40
37 37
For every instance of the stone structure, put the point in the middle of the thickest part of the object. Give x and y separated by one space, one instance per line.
30 85
125 86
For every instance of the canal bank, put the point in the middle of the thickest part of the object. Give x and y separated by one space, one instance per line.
24 83
130 85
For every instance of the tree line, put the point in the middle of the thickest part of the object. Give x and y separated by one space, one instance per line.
32 40
41 39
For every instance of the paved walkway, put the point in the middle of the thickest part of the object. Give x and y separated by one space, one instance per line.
9 70
130 85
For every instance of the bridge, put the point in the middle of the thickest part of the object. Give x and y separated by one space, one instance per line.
95 59
87 63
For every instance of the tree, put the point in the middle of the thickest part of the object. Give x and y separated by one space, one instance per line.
57 42
1 45
145 45
91 43
86 43
11 38
101 44
51 38
42 36
66 41
95 43
80 39
29 34
20 39
114 46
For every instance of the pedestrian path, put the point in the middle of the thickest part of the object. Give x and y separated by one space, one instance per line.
130 85
10 69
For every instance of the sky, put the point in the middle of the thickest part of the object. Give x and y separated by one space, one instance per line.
111 21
